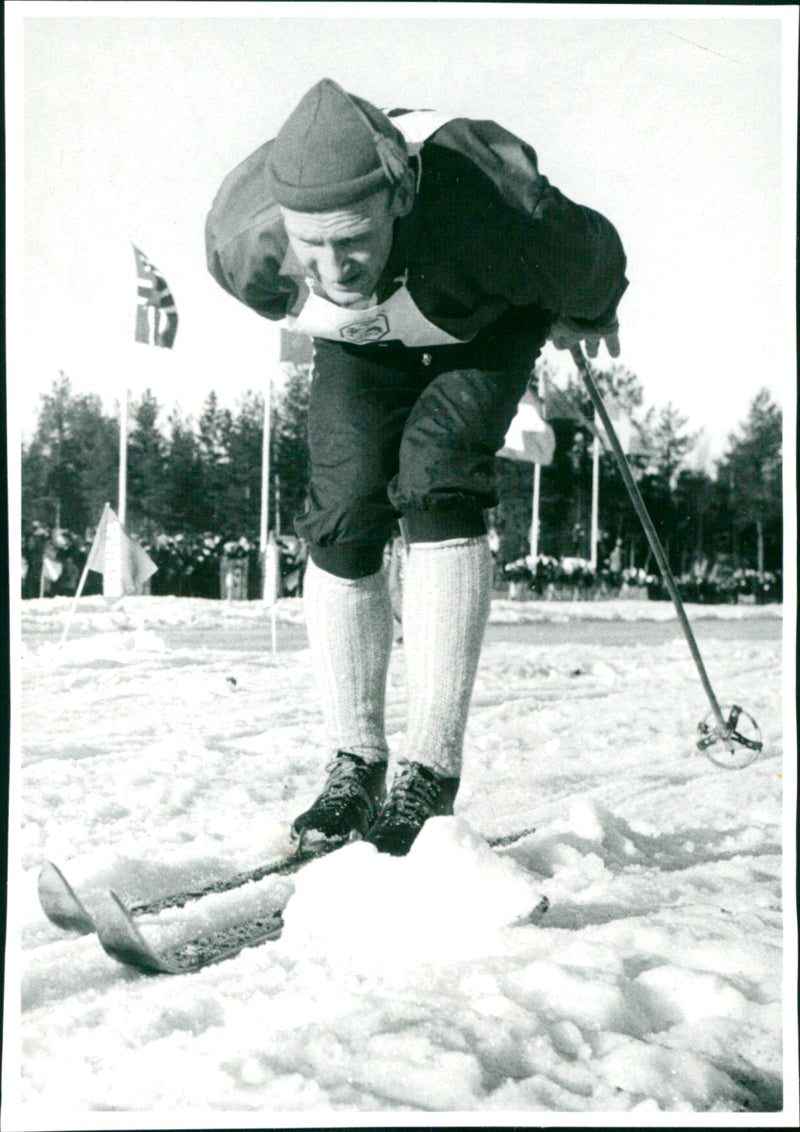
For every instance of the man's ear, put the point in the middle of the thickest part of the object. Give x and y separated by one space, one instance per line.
403 195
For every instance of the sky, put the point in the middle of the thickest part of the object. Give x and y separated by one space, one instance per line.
676 122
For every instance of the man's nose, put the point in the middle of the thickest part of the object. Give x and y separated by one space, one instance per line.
333 265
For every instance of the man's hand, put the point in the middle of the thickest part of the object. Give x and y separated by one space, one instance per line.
565 334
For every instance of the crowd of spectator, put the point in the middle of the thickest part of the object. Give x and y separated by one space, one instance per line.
193 565
189 565
575 579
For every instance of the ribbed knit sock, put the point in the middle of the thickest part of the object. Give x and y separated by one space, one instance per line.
350 631
447 592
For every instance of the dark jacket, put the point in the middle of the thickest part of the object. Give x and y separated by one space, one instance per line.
487 232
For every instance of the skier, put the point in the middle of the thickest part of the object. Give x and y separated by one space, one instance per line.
429 260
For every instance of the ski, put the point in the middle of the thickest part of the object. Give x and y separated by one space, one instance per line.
63 907
122 939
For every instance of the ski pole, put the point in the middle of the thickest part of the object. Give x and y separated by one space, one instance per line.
726 730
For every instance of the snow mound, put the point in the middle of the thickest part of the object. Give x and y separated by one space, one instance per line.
449 899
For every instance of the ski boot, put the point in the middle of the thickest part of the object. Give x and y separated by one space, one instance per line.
349 800
418 793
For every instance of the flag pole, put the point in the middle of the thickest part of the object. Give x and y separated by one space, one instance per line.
74 605
537 483
81 584
273 619
123 455
264 531
263 541
595 525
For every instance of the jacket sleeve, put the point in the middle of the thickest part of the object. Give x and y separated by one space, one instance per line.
532 244
246 245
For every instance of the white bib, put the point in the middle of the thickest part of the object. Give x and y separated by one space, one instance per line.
397 319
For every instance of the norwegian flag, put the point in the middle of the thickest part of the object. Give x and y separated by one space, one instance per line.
156 316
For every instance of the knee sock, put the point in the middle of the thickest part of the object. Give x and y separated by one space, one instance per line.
447 592
350 630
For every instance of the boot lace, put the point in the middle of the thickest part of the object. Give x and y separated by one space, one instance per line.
415 795
346 775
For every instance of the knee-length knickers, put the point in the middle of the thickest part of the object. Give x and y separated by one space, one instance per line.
410 432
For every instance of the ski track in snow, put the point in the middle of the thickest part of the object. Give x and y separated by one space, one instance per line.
652 985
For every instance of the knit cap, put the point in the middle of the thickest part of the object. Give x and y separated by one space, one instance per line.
334 149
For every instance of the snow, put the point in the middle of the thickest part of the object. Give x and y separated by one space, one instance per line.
165 744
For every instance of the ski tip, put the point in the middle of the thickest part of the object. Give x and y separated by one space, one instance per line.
121 939
59 902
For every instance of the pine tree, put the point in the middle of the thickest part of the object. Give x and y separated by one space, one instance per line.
147 507
752 469
70 466
667 445
184 476
290 444
214 442
670 444
693 500
245 449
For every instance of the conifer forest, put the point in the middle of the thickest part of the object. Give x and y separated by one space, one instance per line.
194 495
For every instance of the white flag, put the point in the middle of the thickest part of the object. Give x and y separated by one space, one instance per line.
529 438
124 564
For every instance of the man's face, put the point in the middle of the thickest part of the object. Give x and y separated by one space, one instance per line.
345 250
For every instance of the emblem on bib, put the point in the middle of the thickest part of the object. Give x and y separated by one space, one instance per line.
366 330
